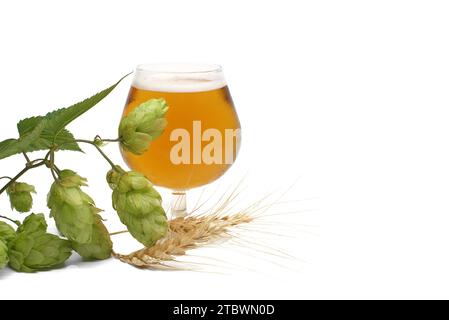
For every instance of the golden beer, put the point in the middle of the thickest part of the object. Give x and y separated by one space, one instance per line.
187 154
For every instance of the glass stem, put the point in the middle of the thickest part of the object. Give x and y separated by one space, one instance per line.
178 204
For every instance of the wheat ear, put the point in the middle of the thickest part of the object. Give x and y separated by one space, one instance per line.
185 233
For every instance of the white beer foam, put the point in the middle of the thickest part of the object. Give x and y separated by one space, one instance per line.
179 78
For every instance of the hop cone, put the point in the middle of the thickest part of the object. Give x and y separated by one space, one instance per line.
138 206
100 247
34 251
7 232
113 176
142 125
73 210
3 254
20 196
33 223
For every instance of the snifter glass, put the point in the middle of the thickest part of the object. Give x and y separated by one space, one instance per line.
202 136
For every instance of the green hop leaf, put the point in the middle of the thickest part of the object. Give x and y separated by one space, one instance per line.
7 232
73 210
47 139
35 251
33 223
142 125
20 196
53 126
3 254
139 207
11 147
100 247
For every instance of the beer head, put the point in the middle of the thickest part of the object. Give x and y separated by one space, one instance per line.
179 77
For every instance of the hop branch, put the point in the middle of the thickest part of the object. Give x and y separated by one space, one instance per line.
29 247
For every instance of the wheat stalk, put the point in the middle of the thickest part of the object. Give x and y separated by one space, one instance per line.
185 233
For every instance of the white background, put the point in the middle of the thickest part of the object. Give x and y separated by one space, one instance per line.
350 97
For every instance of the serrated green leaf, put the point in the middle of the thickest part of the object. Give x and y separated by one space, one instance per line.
64 139
54 131
11 147
26 125
46 139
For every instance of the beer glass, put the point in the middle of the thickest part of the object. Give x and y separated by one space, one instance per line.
202 136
